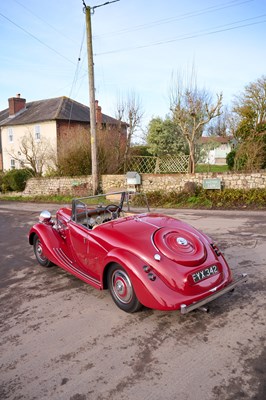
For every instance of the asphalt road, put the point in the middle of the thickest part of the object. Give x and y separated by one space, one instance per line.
62 339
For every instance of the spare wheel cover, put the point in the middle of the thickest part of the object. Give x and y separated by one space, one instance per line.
181 246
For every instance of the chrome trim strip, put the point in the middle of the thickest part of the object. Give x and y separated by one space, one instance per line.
69 263
62 255
186 309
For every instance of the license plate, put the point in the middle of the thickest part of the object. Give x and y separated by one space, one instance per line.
205 273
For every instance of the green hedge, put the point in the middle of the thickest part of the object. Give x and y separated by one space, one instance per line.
14 180
227 198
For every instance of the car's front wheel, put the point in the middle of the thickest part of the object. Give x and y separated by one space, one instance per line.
122 290
38 251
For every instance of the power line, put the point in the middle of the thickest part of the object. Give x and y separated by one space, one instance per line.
43 20
104 4
218 29
176 18
36 38
78 64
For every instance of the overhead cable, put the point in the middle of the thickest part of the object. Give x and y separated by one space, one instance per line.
206 32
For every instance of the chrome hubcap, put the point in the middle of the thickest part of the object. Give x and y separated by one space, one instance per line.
39 252
122 287
119 287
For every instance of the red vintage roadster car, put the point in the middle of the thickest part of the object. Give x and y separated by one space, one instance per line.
143 258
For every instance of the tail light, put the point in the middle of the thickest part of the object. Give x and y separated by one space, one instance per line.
216 249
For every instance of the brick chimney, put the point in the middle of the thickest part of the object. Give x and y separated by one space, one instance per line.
16 104
98 111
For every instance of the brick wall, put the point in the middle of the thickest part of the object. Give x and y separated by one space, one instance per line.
82 185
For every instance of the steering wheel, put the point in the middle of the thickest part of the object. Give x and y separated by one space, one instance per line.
113 209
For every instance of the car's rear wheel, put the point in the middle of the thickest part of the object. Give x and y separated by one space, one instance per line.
122 290
38 251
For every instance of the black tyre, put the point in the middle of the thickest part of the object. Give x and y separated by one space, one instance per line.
38 251
122 290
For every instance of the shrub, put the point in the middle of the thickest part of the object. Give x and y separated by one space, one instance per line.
190 188
227 198
15 180
1 180
76 161
230 159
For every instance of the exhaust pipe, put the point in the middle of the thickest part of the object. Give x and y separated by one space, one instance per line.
204 309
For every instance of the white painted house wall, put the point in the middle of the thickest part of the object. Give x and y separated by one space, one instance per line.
43 133
218 155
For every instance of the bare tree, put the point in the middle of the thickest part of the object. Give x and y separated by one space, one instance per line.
222 125
74 154
35 154
251 104
192 109
129 110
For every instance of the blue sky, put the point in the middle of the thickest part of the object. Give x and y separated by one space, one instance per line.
138 45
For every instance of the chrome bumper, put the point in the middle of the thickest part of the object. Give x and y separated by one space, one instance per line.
186 309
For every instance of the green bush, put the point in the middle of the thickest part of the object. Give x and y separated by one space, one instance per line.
230 159
1 180
15 180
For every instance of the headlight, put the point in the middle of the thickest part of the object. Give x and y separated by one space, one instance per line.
45 217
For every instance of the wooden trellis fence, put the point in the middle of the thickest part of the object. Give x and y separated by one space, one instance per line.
159 165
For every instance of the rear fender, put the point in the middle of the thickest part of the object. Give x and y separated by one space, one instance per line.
151 293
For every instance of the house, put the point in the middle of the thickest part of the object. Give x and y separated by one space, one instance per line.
47 128
214 149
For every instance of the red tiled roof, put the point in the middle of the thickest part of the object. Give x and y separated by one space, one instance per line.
218 139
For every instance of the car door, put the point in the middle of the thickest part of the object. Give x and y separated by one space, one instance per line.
78 243
86 251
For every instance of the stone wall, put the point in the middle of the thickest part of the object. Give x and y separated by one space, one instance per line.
228 180
76 186
82 185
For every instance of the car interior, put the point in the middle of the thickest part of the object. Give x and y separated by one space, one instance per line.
95 210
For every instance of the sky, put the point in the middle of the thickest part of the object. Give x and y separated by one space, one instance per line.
139 46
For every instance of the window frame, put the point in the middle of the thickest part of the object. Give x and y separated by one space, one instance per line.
37 133
12 163
10 134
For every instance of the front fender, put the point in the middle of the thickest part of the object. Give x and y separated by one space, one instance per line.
50 239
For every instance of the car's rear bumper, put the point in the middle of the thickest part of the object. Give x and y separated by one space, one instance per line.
186 309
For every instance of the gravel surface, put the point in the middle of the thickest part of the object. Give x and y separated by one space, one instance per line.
62 339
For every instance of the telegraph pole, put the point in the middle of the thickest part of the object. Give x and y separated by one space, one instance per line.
94 165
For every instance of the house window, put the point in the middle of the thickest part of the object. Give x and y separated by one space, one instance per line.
37 132
12 164
10 135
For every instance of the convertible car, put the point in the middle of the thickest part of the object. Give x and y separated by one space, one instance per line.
143 258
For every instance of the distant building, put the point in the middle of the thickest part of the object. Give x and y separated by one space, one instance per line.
215 149
58 120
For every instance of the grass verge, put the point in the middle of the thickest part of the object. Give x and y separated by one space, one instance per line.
201 168
200 198
210 199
